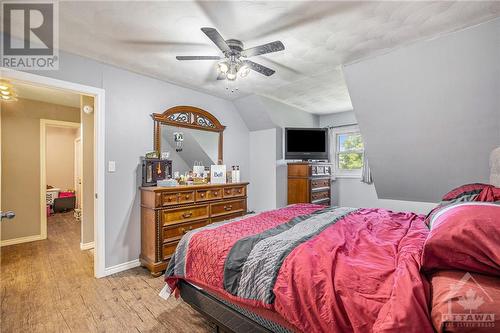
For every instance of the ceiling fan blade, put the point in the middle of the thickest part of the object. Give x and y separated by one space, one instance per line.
197 58
259 68
215 37
263 49
281 66
153 42
302 14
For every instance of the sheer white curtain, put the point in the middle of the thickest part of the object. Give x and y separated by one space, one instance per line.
366 174
331 146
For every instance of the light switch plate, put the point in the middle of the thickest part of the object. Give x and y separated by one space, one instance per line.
111 166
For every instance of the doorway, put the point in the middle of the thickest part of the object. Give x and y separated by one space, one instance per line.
58 193
96 195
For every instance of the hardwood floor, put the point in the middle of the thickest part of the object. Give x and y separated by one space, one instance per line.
48 286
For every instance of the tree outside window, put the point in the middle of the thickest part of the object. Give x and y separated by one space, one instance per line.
348 152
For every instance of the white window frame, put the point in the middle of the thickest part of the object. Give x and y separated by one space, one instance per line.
341 173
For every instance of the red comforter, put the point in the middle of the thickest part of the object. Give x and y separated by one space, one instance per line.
322 270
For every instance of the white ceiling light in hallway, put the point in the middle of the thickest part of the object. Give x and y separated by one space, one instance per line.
7 92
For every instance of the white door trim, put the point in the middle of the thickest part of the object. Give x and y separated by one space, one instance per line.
44 123
99 151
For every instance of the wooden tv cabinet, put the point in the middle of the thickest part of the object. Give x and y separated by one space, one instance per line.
309 182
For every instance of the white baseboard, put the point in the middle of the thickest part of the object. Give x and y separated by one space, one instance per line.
20 240
86 246
122 267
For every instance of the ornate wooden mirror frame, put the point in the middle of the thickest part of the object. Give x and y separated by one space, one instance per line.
188 117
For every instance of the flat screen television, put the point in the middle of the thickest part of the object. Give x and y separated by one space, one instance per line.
306 143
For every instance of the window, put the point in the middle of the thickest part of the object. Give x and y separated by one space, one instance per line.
348 152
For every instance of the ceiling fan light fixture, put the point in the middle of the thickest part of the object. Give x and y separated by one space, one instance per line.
244 71
234 59
223 67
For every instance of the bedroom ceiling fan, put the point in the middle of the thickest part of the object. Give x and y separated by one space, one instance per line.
235 60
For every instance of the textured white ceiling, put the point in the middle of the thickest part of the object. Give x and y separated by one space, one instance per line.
318 36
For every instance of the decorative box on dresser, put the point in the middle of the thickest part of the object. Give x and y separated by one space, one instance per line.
167 213
309 183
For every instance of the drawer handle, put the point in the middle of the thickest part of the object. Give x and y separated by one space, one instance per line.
185 231
215 192
202 195
187 214
187 196
228 207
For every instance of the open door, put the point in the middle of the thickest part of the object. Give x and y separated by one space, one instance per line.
78 172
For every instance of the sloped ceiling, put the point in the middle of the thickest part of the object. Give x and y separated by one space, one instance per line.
146 36
260 113
430 113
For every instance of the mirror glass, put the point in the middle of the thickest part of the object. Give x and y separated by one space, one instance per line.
188 146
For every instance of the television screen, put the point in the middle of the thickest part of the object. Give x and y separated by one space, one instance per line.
306 143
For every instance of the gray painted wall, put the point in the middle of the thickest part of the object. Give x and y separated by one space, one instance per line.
283 115
254 113
263 169
261 114
130 99
338 119
429 112
349 192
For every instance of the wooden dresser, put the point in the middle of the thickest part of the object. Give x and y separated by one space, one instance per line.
309 183
167 213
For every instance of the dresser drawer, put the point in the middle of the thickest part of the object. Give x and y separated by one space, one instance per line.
185 214
319 183
226 217
228 192
203 195
176 231
229 207
186 197
168 249
320 195
169 199
237 191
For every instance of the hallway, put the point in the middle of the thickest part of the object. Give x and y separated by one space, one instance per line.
48 286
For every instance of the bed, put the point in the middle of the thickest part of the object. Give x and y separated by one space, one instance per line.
262 264
308 268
